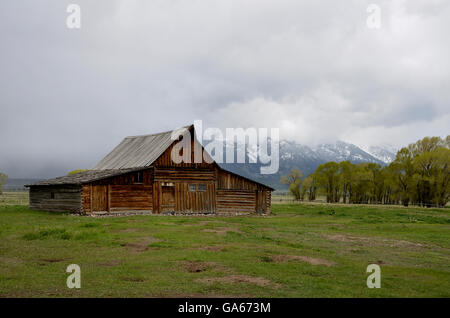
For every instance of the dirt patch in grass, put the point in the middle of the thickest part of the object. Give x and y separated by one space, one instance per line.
198 267
223 230
53 260
141 245
110 263
46 261
236 279
372 241
133 279
306 259
212 248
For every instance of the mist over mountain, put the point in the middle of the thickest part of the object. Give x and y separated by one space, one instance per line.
385 153
306 158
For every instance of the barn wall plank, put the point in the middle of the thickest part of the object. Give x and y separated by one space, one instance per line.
66 198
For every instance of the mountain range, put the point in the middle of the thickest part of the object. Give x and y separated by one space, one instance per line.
307 158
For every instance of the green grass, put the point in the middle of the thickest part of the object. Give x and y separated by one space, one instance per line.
148 256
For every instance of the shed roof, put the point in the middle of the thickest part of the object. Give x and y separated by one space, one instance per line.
82 177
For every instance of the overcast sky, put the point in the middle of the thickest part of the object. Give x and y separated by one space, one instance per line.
312 68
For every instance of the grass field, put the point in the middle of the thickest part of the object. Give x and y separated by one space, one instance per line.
300 251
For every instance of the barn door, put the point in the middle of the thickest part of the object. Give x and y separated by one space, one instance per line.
99 198
260 202
168 199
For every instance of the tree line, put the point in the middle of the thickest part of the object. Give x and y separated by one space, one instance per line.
419 175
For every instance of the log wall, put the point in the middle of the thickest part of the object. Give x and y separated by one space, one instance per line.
268 201
65 198
229 181
235 201
123 194
195 201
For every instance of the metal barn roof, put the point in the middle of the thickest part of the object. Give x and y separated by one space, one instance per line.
83 177
139 151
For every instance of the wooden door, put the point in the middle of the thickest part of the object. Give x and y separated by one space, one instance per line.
168 199
99 198
260 202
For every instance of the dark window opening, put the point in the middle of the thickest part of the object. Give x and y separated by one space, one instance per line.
202 187
192 187
52 195
138 178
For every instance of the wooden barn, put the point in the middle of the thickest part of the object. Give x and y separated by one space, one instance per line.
139 176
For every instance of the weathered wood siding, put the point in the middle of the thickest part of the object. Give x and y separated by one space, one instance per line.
184 175
65 198
268 201
165 160
171 191
237 194
228 180
122 193
177 181
131 197
235 201
195 201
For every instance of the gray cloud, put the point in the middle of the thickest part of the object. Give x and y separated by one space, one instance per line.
312 68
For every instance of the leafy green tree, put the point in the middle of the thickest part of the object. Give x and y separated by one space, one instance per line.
346 171
402 169
361 184
421 172
328 179
432 177
293 179
376 182
442 178
309 187
427 144
3 179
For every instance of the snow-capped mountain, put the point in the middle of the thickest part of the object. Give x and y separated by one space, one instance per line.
303 157
385 153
